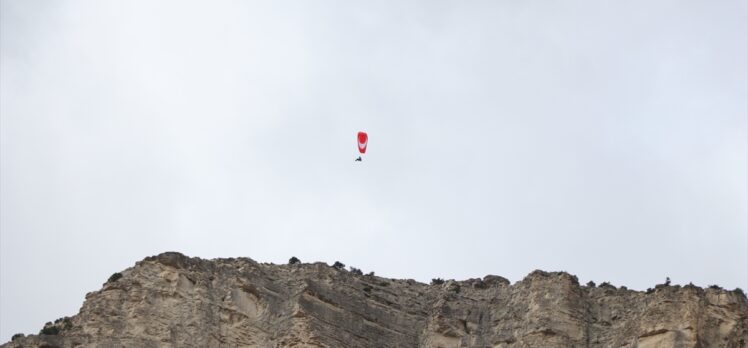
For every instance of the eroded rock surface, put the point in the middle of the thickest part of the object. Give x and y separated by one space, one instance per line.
171 300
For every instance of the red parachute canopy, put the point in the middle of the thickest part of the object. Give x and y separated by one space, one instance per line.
363 139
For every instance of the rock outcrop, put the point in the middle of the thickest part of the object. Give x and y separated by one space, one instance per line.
171 300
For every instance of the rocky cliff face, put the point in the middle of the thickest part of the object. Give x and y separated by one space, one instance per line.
171 300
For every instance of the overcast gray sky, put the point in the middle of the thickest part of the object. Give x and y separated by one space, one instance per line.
603 138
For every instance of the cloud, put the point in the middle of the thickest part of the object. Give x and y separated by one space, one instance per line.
606 139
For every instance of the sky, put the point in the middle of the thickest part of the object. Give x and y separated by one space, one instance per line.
608 139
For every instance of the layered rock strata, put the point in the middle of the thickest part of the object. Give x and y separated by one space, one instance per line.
171 300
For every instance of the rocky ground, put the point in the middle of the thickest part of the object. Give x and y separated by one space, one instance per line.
171 300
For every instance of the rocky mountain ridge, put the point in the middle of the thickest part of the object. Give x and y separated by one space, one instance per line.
171 300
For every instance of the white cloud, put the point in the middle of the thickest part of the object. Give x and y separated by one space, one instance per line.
607 139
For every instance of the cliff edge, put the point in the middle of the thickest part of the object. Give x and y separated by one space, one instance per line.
172 300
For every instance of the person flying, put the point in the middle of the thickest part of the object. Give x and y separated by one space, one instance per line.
363 140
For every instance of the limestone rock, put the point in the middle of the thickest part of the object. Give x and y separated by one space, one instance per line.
171 300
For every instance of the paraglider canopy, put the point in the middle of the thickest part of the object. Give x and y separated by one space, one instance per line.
363 140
